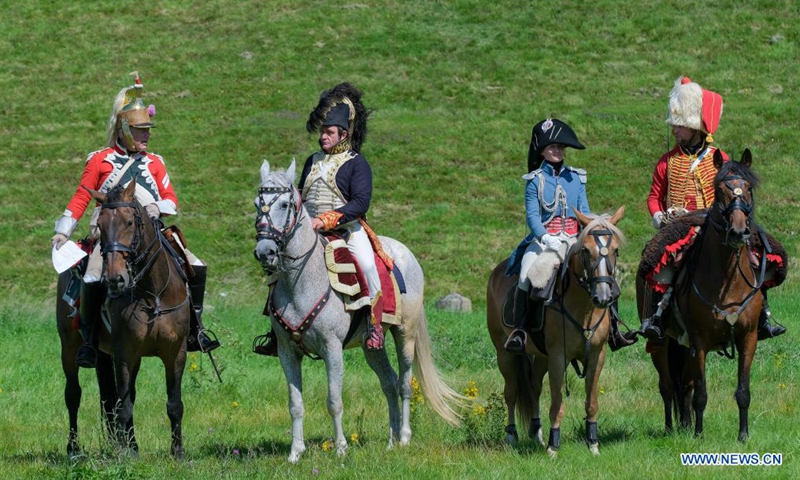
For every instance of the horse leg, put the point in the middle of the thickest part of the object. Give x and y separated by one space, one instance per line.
508 370
334 366
174 375
126 391
405 359
660 359
700 399
537 382
379 362
108 390
593 371
556 369
291 362
72 398
747 350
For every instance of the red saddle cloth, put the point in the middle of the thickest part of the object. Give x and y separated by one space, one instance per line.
342 257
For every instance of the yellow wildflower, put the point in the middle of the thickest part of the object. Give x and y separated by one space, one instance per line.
472 390
327 445
235 404
416 394
479 410
354 438
193 367
781 385
602 390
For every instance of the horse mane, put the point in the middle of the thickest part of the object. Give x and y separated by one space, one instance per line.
115 194
731 168
603 220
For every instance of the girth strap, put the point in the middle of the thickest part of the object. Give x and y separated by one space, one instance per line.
296 333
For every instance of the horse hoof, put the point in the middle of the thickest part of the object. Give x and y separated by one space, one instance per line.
341 449
743 437
595 449
405 437
296 453
552 452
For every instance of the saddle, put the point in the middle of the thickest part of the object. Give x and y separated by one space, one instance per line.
347 278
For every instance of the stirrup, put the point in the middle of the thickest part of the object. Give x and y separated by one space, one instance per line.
516 341
203 341
266 344
766 330
86 356
373 338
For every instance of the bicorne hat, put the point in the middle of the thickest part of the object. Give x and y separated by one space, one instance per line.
548 132
341 106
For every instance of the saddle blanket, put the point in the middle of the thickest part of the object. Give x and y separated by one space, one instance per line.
347 278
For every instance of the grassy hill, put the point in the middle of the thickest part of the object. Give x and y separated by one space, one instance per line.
455 87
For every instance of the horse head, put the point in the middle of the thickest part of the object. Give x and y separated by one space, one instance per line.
121 229
278 209
732 211
593 258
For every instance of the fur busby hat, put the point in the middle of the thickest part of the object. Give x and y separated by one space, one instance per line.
693 107
129 110
548 132
341 106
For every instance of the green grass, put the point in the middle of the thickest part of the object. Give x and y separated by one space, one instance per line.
456 87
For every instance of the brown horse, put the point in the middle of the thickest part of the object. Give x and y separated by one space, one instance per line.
148 311
576 329
717 299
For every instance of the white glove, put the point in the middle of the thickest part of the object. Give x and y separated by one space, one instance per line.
658 220
58 240
152 210
551 241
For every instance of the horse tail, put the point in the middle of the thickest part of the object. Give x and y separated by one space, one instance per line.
443 399
523 365
677 358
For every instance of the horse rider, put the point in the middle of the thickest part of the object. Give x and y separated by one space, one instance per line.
125 159
336 187
683 181
552 190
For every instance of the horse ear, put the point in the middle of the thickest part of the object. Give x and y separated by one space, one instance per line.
747 158
264 170
99 197
618 215
718 160
583 219
129 191
291 172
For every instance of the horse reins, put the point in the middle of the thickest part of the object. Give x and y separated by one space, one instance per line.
133 258
587 281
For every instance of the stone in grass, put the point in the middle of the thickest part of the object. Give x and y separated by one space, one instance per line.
454 303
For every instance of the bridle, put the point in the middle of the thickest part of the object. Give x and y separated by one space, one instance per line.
130 252
134 258
723 226
588 280
266 228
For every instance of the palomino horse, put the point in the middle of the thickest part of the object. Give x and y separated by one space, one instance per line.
717 299
148 309
291 250
576 328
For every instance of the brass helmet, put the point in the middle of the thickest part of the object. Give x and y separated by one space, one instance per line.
129 111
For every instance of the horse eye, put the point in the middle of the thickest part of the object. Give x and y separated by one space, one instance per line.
284 205
130 223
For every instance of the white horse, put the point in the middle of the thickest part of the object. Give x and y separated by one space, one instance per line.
292 251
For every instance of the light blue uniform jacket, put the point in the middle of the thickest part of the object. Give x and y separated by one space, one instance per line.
541 203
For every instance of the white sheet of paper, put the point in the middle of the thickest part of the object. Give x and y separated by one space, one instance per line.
66 256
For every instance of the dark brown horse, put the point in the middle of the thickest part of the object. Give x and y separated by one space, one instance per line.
576 329
148 311
717 299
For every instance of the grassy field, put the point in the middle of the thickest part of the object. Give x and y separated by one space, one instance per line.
455 87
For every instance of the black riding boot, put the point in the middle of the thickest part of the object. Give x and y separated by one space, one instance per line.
92 296
617 340
198 338
519 337
765 330
652 328
266 344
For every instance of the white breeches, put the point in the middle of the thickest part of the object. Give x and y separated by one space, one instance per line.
359 245
94 268
542 260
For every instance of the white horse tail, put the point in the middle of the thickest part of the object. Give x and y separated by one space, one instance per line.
443 399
